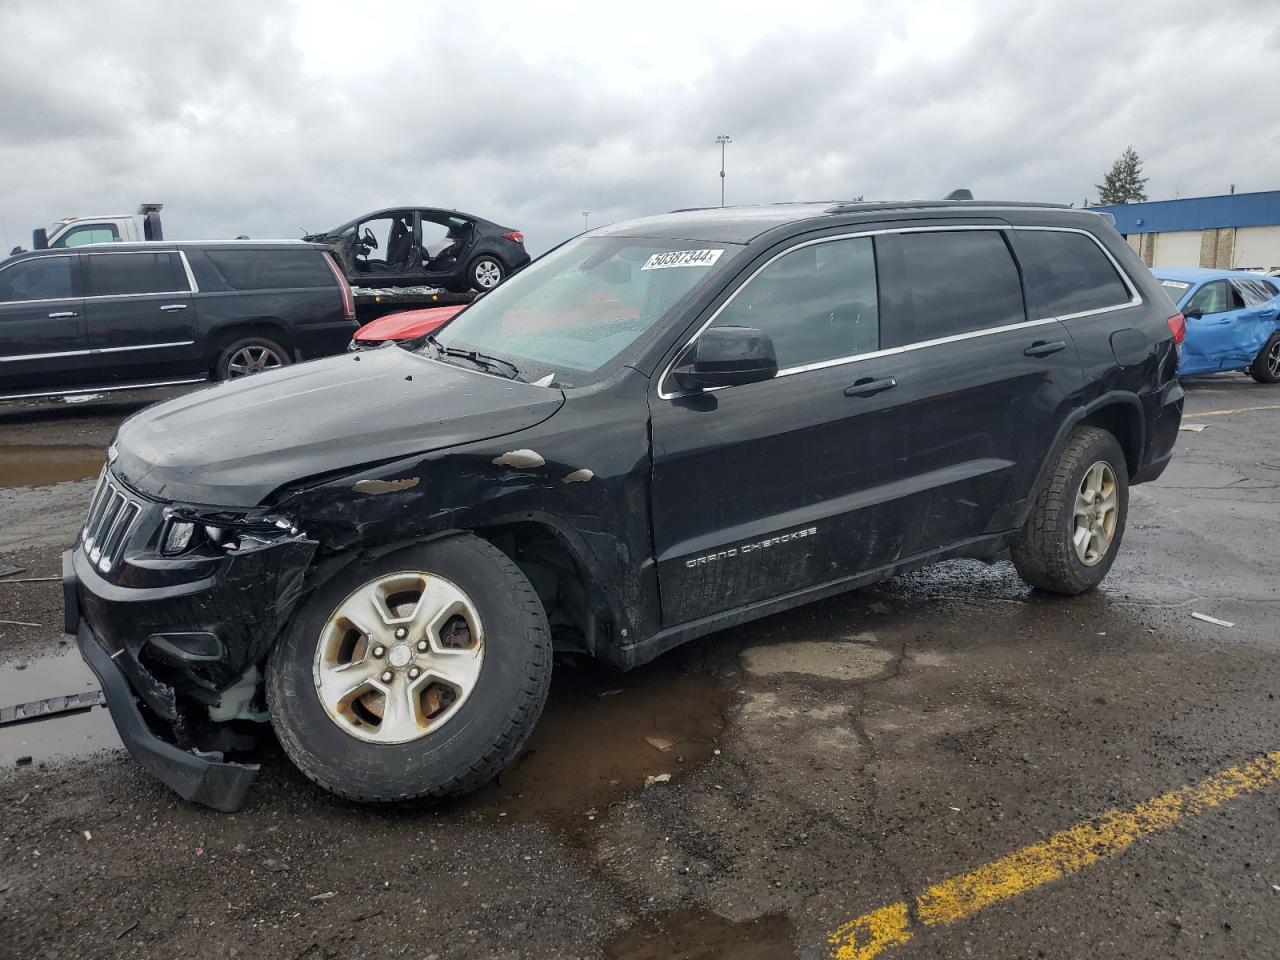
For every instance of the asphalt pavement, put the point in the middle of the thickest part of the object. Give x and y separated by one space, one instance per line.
946 765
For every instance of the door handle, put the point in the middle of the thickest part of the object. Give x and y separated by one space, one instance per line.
1043 348
62 314
170 307
867 387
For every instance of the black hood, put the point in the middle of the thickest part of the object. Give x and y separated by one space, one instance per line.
234 443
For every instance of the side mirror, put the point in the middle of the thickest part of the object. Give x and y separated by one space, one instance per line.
39 239
727 357
1192 314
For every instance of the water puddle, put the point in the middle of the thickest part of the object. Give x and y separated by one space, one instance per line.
71 735
602 734
691 934
38 465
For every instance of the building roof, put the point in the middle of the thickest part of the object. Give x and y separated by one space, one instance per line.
1260 209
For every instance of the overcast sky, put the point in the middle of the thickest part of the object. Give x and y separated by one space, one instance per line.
265 118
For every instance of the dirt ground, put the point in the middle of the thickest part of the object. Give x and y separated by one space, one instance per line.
824 763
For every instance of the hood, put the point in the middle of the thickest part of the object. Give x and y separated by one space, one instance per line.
407 324
232 444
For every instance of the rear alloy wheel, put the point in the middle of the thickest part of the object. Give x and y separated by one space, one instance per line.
249 356
486 273
417 674
1266 365
1077 520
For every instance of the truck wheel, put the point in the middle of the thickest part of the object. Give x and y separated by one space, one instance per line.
1266 365
248 356
485 273
1077 521
414 675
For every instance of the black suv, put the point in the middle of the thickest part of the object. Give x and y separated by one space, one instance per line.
659 429
120 316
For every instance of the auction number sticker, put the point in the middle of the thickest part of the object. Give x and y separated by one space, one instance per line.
682 258
1175 284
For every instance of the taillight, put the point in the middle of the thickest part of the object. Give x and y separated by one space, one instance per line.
1178 327
348 298
515 236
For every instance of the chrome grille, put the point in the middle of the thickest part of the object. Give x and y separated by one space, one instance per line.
112 513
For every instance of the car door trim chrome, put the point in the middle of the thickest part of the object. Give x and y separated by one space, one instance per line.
1135 300
112 388
143 346
46 356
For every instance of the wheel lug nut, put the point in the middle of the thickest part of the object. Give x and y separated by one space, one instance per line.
379 651
413 673
422 645
401 633
386 676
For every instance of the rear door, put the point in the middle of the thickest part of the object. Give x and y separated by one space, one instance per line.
43 342
1256 323
987 384
141 316
767 488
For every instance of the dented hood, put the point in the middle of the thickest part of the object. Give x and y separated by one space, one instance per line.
232 444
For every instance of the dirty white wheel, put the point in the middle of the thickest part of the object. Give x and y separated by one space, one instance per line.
399 657
415 673
1097 510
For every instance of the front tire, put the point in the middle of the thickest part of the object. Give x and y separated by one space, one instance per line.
415 675
486 272
1077 521
1266 365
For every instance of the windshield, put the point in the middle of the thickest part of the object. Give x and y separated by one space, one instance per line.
572 313
1174 288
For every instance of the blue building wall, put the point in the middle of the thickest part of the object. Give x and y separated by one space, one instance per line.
1197 213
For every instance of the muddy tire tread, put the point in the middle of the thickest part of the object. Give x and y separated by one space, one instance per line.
532 696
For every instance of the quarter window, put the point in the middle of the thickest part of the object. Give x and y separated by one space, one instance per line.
1068 273
41 278
960 281
817 303
122 274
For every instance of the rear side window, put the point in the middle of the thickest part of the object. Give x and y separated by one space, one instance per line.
1254 291
271 269
1069 273
960 281
124 274
816 303
42 278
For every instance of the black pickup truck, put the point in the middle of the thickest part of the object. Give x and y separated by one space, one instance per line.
123 316
659 429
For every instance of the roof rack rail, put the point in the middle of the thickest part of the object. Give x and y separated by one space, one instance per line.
925 204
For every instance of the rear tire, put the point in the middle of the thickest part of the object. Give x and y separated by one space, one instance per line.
445 747
485 272
1266 365
1077 521
248 356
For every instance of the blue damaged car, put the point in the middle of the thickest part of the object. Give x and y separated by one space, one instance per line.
1232 320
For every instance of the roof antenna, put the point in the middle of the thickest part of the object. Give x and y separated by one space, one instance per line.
964 193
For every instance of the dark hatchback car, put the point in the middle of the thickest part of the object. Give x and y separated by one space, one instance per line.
124 316
657 430
424 246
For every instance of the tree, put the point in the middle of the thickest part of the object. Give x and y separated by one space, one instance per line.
1123 182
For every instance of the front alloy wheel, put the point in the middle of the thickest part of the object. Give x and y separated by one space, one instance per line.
399 657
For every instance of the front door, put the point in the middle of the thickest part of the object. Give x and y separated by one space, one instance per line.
43 343
141 317
767 488
1214 316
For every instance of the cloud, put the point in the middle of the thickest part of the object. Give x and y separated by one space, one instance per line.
267 119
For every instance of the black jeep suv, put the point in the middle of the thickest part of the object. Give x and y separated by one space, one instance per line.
659 429
120 316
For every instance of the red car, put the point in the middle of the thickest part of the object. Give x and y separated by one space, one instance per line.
405 325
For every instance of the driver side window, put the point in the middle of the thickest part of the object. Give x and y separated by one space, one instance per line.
817 302
1211 298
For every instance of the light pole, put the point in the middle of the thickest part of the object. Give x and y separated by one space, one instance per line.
722 140
585 215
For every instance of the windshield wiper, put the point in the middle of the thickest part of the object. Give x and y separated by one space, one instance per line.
483 360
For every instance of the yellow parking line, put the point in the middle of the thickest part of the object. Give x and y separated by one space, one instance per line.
1223 413
1061 854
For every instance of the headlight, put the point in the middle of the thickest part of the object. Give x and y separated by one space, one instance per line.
178 537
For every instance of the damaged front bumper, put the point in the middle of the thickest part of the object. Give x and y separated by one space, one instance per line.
177 641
